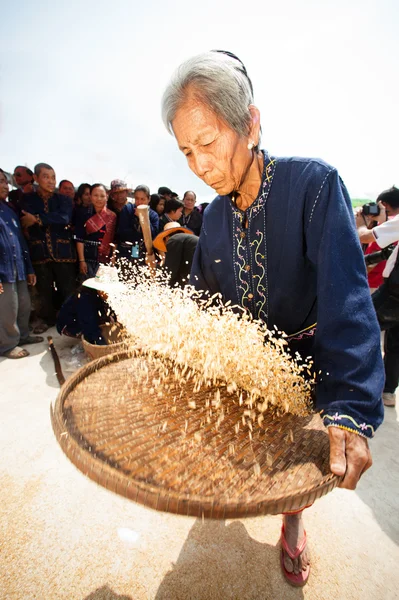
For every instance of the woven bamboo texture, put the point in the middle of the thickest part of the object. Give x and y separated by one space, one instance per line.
147 444
116 337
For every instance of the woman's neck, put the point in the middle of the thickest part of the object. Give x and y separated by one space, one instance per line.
249 188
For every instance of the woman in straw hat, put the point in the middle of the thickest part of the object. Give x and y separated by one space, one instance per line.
177 245
279 241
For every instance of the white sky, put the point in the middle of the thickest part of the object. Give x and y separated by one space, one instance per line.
81 83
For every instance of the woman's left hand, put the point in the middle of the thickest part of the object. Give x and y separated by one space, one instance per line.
350 456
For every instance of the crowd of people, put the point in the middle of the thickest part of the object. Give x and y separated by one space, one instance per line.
54 240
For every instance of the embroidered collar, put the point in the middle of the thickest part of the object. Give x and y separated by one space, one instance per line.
44 195
269 165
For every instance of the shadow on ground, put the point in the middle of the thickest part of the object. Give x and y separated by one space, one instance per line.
105 593
69 363
375 488
33 349
219 561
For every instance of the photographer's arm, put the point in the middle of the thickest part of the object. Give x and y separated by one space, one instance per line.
365 234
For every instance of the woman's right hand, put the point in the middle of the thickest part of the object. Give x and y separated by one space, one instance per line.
83 267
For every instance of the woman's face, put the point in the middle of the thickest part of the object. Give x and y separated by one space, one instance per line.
3 187
86 198
140 198
189 201
214 152
161 206
98 198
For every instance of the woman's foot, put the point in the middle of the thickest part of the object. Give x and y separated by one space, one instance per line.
295 556
16 352
40 328
388 399
32 339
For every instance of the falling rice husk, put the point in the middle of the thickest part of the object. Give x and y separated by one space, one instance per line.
208 343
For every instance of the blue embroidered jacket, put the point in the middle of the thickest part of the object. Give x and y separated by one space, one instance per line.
51 239
15 263
298 263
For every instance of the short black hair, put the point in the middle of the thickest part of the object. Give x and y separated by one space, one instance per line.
64 181
164 191
390 197
96 185
154 201
26 169
41 166
173 204
81 189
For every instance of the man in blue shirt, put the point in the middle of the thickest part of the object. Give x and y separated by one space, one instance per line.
16 273
46 217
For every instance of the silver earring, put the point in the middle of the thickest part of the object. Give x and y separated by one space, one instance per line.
250 145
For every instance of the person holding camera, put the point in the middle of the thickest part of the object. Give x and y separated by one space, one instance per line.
382 226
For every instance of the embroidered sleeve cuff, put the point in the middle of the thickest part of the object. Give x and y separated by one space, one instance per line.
349 423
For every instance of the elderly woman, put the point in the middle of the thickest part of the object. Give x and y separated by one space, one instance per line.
279 241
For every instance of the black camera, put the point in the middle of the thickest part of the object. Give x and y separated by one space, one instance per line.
371 208
376 257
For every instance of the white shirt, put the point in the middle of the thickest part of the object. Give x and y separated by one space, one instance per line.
385 234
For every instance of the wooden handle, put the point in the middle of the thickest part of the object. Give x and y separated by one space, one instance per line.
57 364
144 218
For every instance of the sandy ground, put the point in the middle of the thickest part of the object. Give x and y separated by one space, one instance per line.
64 537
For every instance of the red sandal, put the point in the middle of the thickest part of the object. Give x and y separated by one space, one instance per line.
301 578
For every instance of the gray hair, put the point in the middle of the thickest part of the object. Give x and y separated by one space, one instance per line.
219 81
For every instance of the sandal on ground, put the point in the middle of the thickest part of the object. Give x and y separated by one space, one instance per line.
301 578
16 352
32 339
40 328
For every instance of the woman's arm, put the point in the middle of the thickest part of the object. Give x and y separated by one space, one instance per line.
347 346
80 249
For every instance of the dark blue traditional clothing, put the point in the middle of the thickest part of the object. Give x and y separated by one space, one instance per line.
83 313
293 260
52 250
51 238
192 221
